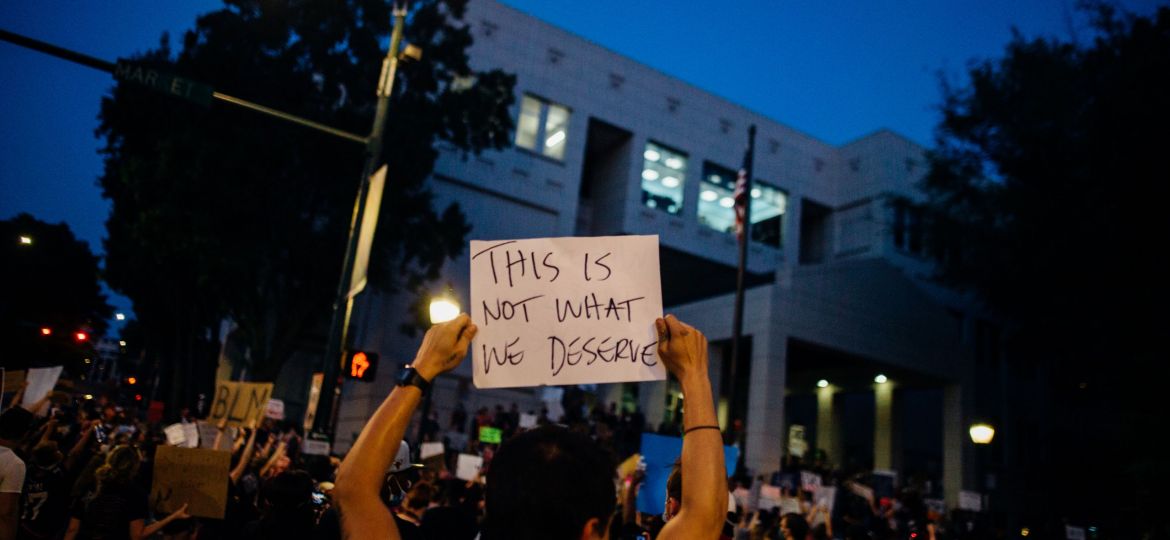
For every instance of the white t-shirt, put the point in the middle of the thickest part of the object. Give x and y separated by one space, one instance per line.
11 471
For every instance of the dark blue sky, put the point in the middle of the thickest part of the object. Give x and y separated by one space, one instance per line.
834 69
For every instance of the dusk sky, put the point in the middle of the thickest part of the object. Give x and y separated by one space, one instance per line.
835 70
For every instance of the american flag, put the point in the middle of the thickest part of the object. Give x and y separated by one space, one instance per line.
741 201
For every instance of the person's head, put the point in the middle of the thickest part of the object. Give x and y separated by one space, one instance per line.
419 497
549 484
14 423
794 527
46 454
288 492
120 468
673 491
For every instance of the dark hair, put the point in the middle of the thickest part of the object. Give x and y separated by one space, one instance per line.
14 423
120 468
796 525
545 484
674 482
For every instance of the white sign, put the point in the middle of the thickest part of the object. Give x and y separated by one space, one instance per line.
810 481
40 382
429 449
559 311
826 497
467 468
527 421
313 447
769 497
176 435
970 500
275 409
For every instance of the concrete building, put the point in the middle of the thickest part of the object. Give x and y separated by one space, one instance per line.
605 145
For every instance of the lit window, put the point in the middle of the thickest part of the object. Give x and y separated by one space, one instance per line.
663 173
547 137
717 205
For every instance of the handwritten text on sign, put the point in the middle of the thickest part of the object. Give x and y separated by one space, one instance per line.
555 311
239 402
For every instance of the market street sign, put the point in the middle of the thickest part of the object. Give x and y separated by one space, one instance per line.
166 83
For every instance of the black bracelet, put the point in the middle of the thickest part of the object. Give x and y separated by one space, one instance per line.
716 428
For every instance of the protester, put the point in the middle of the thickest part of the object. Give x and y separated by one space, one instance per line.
119 507
546 483
13 423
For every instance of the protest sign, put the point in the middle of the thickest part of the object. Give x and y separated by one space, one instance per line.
191 434
826 497
467 468
275 409
769 497
13 379
239 402
194 476
40 382
970 500
313 447
659 453
527 421
937 506
560 311
797 445
429 449
314 396
810 481
176 435
490 435
208 432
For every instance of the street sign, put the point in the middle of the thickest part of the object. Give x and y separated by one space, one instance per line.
129 71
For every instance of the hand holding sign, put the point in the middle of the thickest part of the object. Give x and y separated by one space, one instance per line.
444 347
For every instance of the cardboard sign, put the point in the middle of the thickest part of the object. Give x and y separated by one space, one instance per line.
559 311
239 402
314 396
527 421
193 476
12 380
467 468
970 500
40 382
660 452
275 409
810 481
490 435
429 449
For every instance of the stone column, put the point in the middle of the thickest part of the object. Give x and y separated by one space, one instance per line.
766 429
955 445
883 426
828 423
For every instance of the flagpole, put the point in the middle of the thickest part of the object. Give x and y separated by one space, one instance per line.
744 234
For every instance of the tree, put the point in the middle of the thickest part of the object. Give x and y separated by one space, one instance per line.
226 213
1045 198
49 281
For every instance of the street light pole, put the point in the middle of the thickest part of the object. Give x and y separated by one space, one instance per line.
325 420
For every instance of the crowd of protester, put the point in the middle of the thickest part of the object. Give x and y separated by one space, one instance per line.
86 465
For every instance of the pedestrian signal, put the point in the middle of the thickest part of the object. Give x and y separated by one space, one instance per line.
362 366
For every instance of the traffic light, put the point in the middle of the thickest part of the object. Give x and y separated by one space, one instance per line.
361 366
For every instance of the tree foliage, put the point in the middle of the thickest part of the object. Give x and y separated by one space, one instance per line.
222 212
1045 198
51 283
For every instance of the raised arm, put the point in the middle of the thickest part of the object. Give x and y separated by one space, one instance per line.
704 478
359 480
242 465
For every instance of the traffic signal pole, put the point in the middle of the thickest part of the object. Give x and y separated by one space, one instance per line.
325 421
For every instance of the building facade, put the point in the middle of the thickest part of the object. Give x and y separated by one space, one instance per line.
837 267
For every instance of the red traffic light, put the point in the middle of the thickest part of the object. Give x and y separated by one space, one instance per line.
46 331
131 380
81 336
362 366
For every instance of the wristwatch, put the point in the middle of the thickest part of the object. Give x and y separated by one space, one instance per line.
411 377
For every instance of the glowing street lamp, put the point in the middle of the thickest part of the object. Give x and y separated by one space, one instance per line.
25 240
120 316
822 383
981 433
880 379
444 308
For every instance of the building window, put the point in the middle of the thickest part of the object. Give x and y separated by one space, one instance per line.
717 205
663 173
908 228
542 127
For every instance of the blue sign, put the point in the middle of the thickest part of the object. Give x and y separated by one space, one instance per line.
660 453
